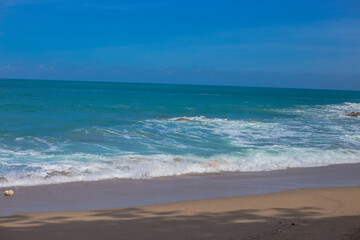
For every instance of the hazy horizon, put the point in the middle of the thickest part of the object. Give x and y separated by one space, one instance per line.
169 83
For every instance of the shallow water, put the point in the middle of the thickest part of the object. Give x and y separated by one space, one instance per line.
60 131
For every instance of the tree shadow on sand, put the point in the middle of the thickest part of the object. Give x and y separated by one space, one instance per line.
141 223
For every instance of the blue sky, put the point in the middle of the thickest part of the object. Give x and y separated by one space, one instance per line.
306 44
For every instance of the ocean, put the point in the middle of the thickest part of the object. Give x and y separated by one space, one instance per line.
68 131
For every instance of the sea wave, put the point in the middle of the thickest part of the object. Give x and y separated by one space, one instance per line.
317 135
325 112
92 167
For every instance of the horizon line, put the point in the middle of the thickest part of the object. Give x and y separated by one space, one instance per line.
182 84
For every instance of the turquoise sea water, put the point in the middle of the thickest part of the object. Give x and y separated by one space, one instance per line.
61 131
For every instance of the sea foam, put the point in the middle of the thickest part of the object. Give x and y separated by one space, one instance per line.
98 167
79 132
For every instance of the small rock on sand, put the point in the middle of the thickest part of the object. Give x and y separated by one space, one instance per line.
9 193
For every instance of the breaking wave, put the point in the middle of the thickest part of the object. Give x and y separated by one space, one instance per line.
84 167
301 136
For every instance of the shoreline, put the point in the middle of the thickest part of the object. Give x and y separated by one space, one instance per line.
204 174
317 213
119 193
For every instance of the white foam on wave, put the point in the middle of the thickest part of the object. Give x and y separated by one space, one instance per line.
8 153
311 122
63 169
330 111
36 142
239 133
258 147
352 138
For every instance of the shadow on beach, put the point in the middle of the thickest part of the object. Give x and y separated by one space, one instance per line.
142 223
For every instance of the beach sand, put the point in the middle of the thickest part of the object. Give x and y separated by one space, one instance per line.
121 193
322 213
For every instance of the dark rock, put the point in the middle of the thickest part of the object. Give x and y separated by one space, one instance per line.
57 173
164 116
182 119
353 114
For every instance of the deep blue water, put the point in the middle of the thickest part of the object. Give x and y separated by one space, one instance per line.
61 131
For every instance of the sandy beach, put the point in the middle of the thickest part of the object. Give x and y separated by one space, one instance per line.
179 120
304 203
121 193
324 213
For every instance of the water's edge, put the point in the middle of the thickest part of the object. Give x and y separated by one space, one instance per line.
129 193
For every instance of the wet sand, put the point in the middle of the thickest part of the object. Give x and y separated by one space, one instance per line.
325 213
130 193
